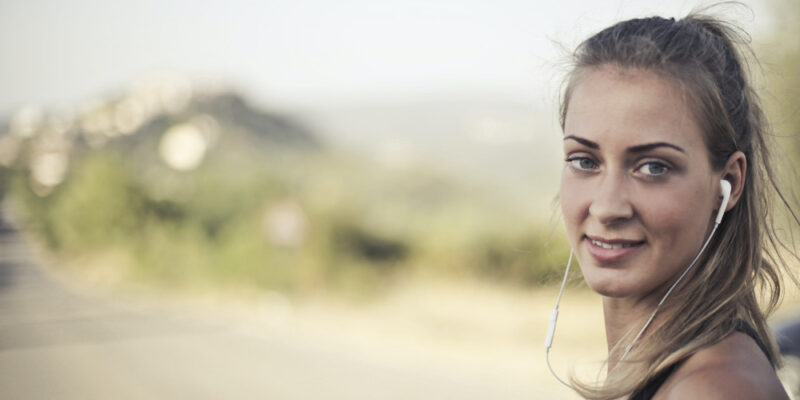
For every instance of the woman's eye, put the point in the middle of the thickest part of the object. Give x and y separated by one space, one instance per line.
653 168
581 163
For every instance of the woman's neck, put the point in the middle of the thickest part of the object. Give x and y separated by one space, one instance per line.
629 314
623 315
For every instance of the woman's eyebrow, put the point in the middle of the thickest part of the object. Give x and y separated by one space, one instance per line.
650 146
585 142
633 149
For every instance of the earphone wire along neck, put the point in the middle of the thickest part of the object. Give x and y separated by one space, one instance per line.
725 187
726 192
554 314
664 298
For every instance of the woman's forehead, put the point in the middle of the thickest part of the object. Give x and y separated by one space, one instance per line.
611 104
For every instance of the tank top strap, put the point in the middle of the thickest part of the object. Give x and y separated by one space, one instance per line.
649 390
744 327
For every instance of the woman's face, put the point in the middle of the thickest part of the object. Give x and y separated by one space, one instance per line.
637 188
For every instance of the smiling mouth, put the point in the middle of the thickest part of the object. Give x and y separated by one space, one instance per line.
613 245
613 250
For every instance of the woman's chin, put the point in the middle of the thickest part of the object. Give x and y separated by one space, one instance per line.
610 287
611 292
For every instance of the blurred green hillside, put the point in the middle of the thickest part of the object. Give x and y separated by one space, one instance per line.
201 190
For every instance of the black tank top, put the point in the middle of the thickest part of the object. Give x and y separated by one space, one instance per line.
654 384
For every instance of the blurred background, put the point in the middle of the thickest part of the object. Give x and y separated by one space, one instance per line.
377 178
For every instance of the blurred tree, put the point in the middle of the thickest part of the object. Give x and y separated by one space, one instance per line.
780 56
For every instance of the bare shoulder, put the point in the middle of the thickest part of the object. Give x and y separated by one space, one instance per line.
733 369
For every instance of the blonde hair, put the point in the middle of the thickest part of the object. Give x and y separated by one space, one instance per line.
705 56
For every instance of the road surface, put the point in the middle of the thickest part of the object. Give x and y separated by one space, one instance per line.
56 343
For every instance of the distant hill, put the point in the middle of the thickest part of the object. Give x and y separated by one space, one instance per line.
162 123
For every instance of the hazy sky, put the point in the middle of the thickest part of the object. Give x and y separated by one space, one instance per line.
303 53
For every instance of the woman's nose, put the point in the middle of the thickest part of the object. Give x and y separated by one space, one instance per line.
611 202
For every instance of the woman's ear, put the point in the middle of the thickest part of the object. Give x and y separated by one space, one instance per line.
735 173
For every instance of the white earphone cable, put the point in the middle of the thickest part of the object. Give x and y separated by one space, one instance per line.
554 315
664 298
551 330
726 191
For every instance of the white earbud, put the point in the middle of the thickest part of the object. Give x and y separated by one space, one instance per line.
726 195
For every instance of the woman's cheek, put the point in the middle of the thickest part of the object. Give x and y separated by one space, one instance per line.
571 207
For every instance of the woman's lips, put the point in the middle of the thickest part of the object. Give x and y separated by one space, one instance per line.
619 249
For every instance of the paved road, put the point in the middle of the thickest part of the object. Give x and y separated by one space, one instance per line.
57 344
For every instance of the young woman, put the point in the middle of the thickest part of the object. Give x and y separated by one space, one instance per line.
656 113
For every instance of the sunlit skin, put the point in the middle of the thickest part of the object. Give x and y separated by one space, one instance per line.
637 171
